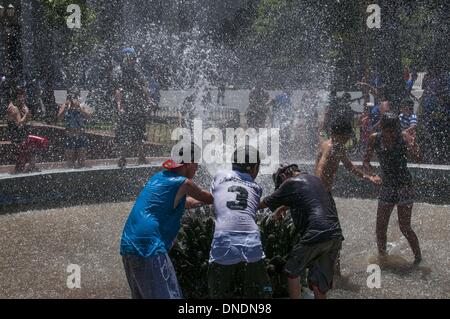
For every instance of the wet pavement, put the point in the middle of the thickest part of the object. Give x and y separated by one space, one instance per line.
36 248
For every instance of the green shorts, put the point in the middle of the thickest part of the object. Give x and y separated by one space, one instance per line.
320 260
240 281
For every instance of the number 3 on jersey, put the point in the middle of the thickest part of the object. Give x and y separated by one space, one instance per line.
241 198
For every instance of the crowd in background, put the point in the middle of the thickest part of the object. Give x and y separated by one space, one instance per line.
136 94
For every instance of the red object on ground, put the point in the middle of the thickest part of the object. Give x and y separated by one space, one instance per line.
36 142
30 146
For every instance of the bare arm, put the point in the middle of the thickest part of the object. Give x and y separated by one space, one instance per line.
280 213
198 196
192 203
26 116
262 205
369 153
62 110
118 99
317 169
413 148
13 113
356 171
86 111
372 90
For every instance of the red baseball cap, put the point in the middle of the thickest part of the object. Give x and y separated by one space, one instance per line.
170 164
176 157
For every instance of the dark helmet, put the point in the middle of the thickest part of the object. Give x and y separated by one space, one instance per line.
285 171
245 158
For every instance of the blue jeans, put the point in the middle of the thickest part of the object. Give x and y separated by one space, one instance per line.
151 277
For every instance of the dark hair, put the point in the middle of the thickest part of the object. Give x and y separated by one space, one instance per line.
284 172
340 126
390 121
18 90
73 93
249 159
346 96
409 103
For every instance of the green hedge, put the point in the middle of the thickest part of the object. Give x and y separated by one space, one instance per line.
190 252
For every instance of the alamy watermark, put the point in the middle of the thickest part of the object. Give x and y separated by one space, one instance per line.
374 19
73 21
216 149
74 279
374 279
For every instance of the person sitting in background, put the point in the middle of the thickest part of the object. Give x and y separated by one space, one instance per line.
408 120
74 113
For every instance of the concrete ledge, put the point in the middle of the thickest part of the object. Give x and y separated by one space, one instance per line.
72 187
431 183
66 187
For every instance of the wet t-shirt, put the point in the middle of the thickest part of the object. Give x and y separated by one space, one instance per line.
153 222
312 208
236 235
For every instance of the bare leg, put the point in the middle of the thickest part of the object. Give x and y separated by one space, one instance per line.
318 294
295 290
70 158
141 154
383 214
82 157
337 267
404 219
122 159
32 163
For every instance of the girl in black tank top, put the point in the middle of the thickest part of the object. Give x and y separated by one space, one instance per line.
393 162
392 148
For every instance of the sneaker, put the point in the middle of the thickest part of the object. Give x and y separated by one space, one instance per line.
307 294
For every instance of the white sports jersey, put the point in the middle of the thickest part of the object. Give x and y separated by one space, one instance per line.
236 235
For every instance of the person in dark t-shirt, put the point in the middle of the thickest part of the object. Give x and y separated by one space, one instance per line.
315 217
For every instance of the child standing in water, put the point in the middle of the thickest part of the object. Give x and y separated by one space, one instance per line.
392 147
332 152
153 225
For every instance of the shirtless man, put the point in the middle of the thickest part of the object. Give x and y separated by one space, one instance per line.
331 153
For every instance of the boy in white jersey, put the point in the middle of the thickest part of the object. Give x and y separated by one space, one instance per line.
236 265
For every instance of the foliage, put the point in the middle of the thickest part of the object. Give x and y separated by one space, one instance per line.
190 253
57 11
82 39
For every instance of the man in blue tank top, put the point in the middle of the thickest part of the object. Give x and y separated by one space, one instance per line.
153 225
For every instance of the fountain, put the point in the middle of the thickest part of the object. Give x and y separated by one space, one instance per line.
66 216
